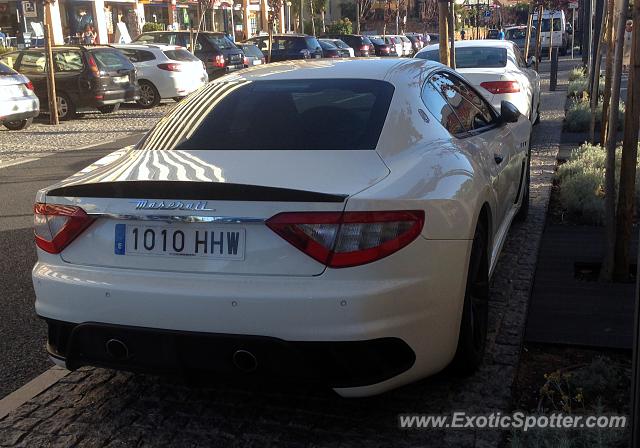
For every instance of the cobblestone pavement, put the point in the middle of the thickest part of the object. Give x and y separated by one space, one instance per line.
87 129
102 408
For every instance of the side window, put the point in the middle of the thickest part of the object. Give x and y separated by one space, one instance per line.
144 56
68 61
519 57
440 109
132 55
471 109
33 63
263 44
10 59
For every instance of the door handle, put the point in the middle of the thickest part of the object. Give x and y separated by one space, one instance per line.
498 158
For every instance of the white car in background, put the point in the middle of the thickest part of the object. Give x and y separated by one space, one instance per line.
498 70
164 71
407 46
329 221
18 104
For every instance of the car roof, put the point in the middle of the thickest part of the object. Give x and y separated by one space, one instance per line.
369 68
519 27
219 33
67 47
506 44
160 47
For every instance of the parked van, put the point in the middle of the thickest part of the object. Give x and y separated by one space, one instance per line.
560 37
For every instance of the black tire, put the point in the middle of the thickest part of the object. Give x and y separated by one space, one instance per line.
523 212
537 114
66 108
472 339
149 96
109 108
18 125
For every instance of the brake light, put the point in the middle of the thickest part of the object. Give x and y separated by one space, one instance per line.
364 48
246 61
384 49
500 87
263 60
93 67
218 61
171 67
29 85
56 226
341 240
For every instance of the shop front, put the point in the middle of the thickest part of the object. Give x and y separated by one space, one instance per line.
9 17
187 15
158 12
121 18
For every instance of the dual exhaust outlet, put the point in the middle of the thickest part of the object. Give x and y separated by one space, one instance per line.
243 360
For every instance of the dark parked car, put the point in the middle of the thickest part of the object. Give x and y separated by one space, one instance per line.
289 46
86 77
252 55
416 42
329 50
382 49
219 54
361 45
493 34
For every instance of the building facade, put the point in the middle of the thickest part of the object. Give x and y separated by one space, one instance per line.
117 21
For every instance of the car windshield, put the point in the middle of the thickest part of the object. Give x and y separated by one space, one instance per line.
309 114
376 40
180 55
339 44
516 34
112 60
220 41
326 45
312 42
472 57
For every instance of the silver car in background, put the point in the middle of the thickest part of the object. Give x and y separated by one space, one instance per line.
18 104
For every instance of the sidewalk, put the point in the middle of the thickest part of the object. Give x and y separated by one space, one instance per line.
102 408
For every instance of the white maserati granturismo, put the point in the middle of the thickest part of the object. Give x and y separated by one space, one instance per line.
326 221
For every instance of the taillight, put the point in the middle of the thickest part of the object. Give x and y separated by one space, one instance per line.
341 240
364 48
171 67
218 61
500 87
93 67
246 61
263 60
29 85
56 226
385 49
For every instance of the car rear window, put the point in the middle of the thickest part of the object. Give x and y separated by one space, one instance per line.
312 43
220 42
252 51
376 40
327 45
111 60
6 70
472 57
516 34
310 114
180 55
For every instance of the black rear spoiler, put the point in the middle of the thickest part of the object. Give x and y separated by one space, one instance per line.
200 191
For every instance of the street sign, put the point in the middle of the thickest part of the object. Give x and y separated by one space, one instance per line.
487 13
573 5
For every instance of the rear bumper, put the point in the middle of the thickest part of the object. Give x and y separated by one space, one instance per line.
106 97
416 303
19 109
338 364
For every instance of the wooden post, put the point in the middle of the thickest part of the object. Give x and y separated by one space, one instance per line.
51 77
539 37
452 35
442 30
357 16
550 32
528 36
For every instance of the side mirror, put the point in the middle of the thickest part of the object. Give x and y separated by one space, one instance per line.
508 112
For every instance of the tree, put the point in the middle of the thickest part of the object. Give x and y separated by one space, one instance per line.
365 12
205 5
604 126
606 273
626 188
599 37
342 26
274 16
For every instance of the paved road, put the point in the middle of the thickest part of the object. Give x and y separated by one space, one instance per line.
22 334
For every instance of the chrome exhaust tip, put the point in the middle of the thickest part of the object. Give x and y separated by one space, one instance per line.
117 349
245 361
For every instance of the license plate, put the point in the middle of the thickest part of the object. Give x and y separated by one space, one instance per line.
257 62
215 242
11 91
121 79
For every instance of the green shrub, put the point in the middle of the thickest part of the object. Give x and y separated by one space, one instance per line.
578 116
582 183
579 86
4 50
152 26
577 73
342 26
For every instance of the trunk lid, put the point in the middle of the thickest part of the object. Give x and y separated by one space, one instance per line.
225 196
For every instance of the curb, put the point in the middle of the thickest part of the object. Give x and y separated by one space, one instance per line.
34 387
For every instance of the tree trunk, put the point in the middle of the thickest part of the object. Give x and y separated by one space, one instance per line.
313 17
606 273
595 78
442 30
604 126
324 27
358 16
626 188
452 36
